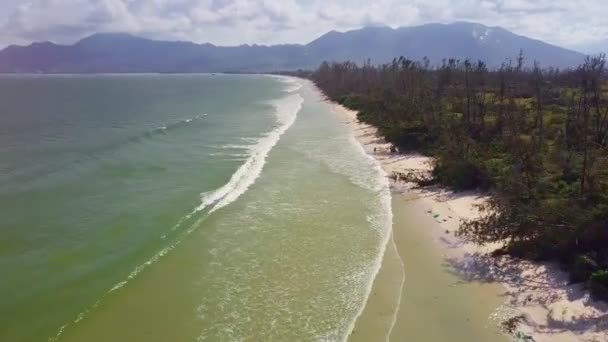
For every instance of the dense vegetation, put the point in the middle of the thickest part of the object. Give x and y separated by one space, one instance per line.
535 138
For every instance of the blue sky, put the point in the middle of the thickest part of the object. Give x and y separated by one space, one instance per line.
228 22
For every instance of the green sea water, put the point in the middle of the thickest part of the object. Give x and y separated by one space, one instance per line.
182 208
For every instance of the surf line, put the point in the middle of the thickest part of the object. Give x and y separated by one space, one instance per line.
384 192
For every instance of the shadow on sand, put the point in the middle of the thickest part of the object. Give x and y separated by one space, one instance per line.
532 285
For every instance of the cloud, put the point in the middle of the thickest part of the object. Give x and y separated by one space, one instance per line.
230 22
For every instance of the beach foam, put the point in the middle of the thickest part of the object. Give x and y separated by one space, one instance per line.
383 222
168 127
292 84
286 110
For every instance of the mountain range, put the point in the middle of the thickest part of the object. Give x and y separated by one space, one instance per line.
119 52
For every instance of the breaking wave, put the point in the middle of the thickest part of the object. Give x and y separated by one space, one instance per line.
180 123
286 110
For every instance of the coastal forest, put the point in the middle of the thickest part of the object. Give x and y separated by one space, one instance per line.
534 138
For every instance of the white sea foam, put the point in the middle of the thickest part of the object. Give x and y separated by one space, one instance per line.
194 118
230 155
164 128
118 286
237 146
250 140
286 110
293 84
401 287
189 120
384 225
365 172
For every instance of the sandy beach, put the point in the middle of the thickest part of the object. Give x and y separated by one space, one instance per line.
551 309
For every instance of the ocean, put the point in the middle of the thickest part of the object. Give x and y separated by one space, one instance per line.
183 208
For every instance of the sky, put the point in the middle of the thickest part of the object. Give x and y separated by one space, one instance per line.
581 24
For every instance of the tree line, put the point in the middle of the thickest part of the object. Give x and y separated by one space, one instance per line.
535 138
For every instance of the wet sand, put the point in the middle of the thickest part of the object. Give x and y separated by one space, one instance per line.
435 304
381 312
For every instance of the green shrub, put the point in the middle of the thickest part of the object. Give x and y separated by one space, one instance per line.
460 175
350 101
415 138
364 116
582 268
598 284
496 168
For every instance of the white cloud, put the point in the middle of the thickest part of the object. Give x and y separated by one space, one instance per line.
229 22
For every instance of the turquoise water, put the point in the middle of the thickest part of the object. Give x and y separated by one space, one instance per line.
182 207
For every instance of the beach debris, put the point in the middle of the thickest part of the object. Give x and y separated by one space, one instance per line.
436 215
421 178
510 324
508 320
521 337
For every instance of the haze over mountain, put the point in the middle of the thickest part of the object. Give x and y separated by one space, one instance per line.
115 52
593 48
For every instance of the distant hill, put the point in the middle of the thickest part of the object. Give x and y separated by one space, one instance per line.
114 52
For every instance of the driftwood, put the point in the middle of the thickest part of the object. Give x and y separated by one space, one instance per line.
419 177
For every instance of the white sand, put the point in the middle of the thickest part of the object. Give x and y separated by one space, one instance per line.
553 311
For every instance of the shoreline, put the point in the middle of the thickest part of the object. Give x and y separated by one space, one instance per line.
551 309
